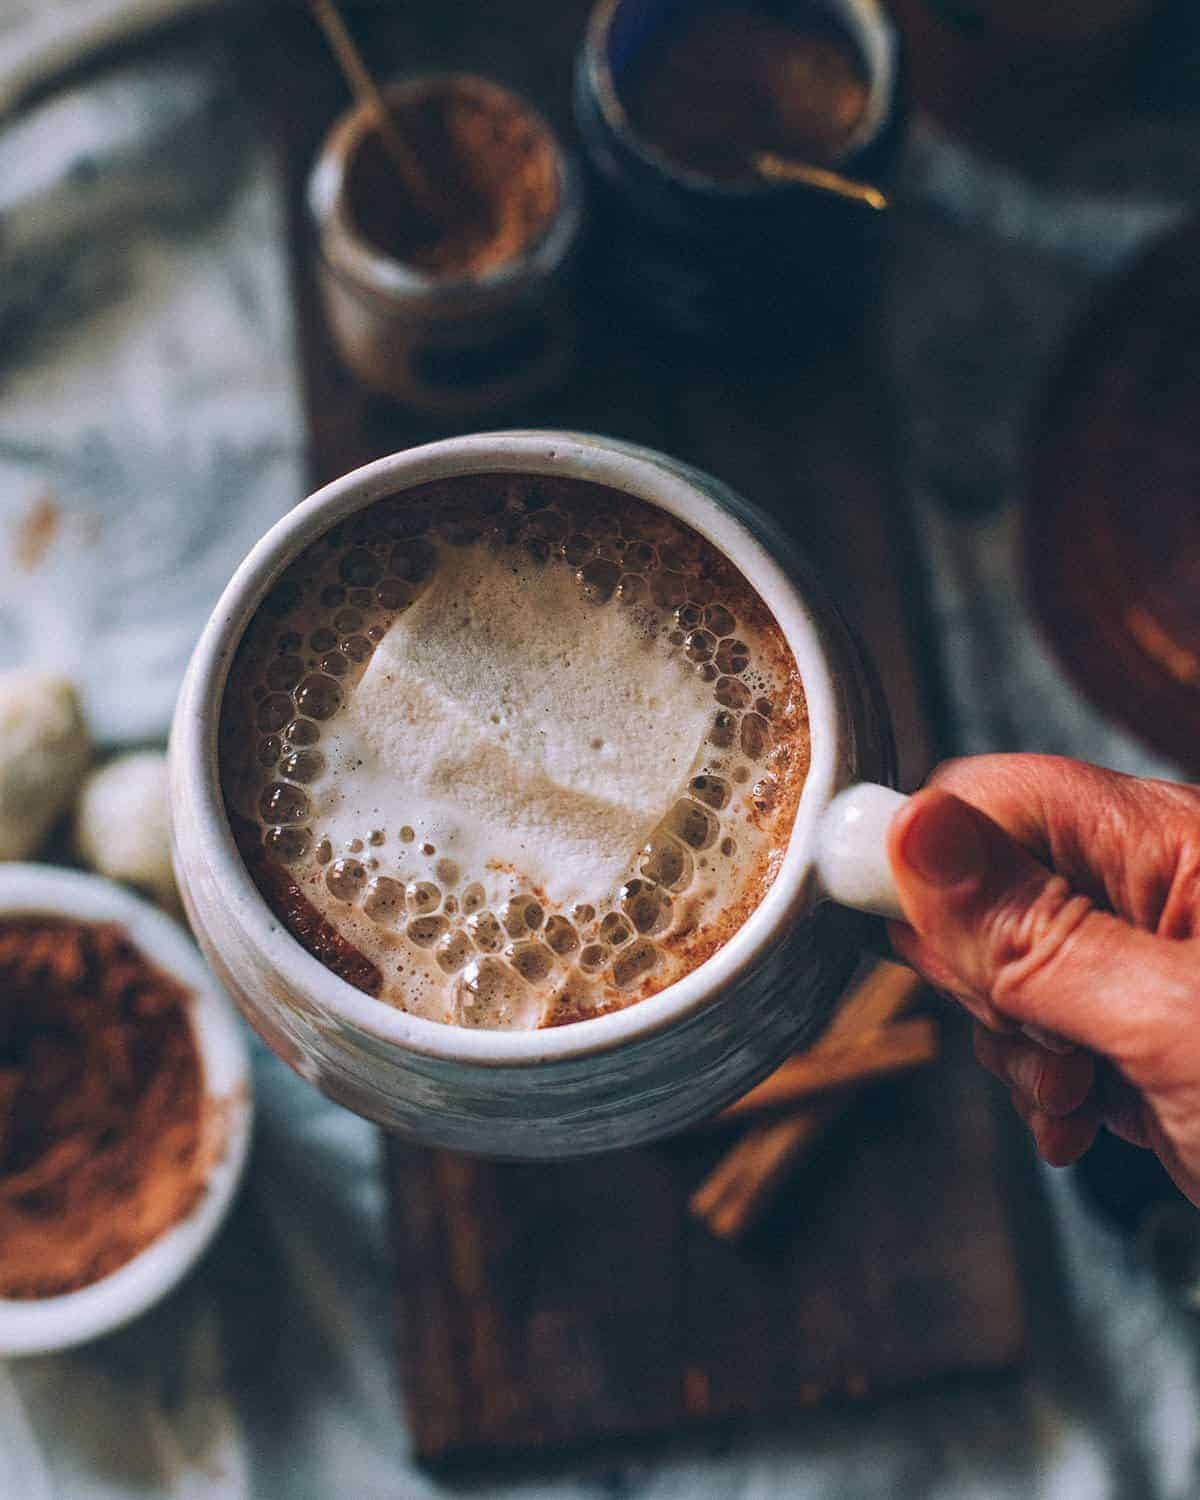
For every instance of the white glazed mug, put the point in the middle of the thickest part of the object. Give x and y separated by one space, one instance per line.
615 1080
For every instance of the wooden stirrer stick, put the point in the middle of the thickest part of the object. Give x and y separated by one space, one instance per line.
368 94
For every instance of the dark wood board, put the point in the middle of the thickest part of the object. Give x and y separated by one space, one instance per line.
1112 529
554 1305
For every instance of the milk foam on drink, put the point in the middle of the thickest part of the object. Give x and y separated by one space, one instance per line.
531 749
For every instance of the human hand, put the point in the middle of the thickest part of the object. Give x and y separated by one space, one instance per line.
1053 895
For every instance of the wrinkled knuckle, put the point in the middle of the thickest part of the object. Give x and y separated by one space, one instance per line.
1029 938
1175 907
948 770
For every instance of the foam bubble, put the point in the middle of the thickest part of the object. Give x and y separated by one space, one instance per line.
318 696
283 803
615 929
533 961
593 957
666 862
288 844
755 736
384 900
489 993
423 896
454 951
692 823
732 693
425 931
345 878
486 932
302 765
634 963
301 733
561 937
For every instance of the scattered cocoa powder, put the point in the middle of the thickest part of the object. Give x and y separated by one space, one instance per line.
493 167
36 532
101 1105
737 82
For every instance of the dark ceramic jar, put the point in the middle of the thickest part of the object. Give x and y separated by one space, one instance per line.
758 266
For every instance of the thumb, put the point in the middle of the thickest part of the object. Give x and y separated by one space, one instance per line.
990 923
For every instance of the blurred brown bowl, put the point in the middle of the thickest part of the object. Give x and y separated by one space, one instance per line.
1112 528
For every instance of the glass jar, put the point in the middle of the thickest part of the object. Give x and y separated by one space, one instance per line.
460 343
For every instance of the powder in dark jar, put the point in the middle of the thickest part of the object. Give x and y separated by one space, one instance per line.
492 167
101 1105
734 82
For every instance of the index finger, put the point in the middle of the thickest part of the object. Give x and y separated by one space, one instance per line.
1115 838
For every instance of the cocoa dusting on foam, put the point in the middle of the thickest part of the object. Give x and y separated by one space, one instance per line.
510 751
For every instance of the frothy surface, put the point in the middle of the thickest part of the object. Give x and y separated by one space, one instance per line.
514 724
508 751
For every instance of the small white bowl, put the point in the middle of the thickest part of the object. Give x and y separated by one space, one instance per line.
46 1324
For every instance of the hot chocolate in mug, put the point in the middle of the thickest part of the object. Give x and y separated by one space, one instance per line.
611 1080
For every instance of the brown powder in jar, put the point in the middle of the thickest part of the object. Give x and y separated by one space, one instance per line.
101 1105
492 167
736 82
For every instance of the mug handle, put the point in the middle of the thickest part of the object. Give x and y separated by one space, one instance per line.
851 861
854 870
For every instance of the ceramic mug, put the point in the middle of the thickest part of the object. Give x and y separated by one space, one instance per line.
614 1080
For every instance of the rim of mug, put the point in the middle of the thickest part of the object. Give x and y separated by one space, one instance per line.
629 469
872 32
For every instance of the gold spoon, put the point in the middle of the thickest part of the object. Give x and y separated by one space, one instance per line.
782 169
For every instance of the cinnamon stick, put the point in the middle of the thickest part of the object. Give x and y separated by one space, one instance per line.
743 1183
885 992
905 1044
735 1194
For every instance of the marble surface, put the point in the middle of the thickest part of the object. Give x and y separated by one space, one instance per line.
149 429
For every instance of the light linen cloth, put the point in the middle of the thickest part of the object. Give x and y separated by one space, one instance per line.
149 425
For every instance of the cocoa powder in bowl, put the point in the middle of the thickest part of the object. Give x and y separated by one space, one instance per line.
492 167
102 1105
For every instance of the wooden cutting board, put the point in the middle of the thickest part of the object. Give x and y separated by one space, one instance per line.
549 1306
554 1305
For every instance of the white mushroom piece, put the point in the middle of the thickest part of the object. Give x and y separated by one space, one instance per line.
122 825
44 752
